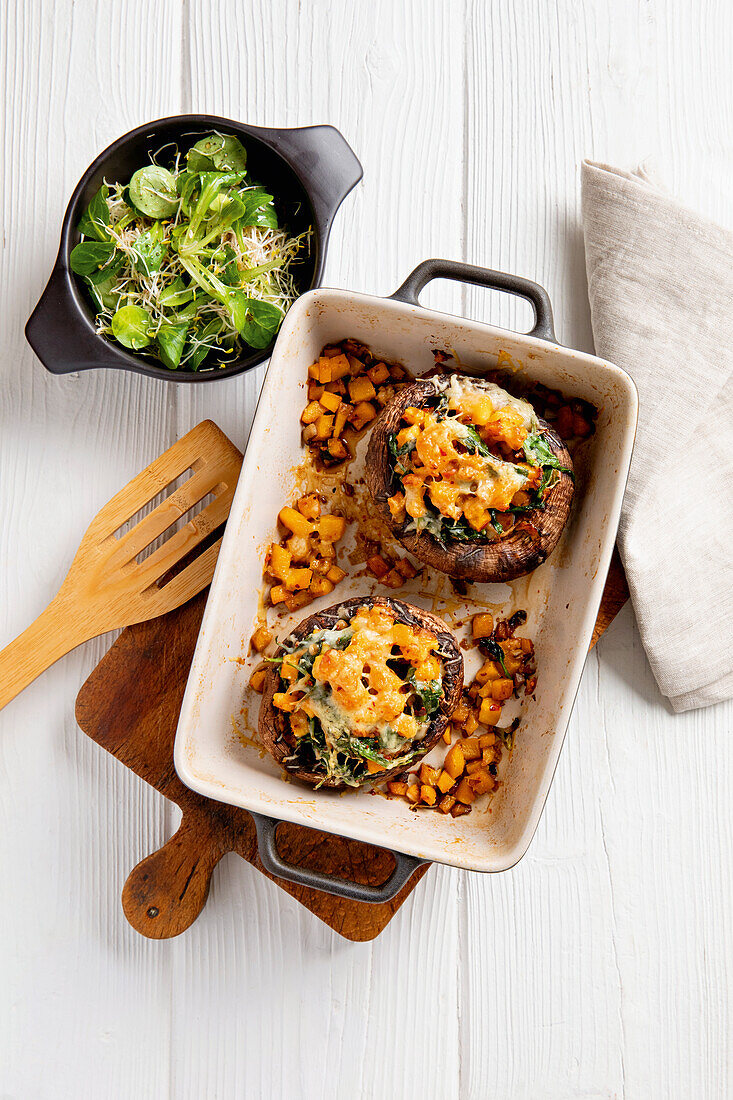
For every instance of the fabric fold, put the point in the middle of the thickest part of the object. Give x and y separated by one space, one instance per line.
660 284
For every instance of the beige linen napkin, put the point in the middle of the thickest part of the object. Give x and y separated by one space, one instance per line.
660 283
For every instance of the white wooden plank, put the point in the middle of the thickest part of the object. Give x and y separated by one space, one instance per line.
607 983
84 1004
396 94
601 965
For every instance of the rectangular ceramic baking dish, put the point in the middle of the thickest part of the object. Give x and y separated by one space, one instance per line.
562 596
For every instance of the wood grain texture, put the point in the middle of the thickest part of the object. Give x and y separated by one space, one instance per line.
601 966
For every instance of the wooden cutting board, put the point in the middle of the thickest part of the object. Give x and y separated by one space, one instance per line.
130 705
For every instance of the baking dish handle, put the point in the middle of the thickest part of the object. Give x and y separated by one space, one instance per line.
272 861
481 276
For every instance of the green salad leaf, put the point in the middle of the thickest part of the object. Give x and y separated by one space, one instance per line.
131 326
89 256
95 220
153 191
171 341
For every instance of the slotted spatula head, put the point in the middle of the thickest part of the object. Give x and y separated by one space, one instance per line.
113 582
112 578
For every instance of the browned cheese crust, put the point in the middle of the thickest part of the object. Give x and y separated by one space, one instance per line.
274 727
507 557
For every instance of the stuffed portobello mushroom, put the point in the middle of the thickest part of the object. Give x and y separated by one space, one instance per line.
469 479
357 693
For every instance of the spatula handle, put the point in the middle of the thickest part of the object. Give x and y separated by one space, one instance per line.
55 632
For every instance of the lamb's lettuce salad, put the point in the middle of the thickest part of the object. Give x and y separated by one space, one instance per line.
189 264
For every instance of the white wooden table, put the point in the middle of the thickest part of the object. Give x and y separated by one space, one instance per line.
601 965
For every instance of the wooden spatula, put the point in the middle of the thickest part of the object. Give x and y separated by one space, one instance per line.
110 584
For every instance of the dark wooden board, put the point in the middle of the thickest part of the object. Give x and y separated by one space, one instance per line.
130 706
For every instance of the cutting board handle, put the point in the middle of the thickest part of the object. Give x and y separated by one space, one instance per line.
272 861
165 893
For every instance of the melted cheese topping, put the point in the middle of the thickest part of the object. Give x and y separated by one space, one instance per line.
458 483
365 696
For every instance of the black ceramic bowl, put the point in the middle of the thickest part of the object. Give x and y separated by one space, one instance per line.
309 171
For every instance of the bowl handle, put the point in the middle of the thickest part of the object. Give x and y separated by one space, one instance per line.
481 276
325 162
272 861
61 339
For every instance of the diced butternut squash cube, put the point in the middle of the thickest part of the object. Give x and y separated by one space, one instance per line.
429 669
261 639
406 568
361 389
427 795
470 747
378 566
324 424
459 809
311 413
341 417
331 528
398 788
464 792
321 586
330 401
446 804
279 562
315 389
294 521
378 373
314 371
337 449
471 724
340 367
474 766
299 548
309 506
283 701
455 761
335 574
396 506
460 714
298 579
447 735
490 712
445 782
413 793
407 435
365 411
257 679
278 592
487 740
295 600
289 669
482 625
482 782
394 579
502 689
428 775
